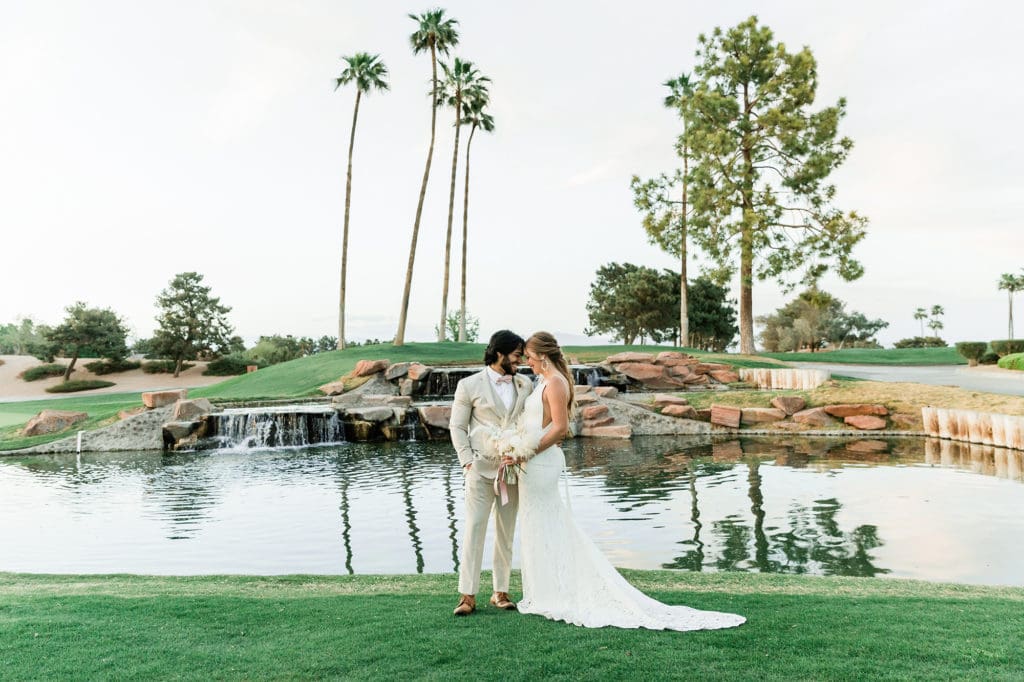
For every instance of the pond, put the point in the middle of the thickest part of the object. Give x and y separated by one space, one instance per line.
917 508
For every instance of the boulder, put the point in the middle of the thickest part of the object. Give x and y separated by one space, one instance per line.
418 372
865 422
333 388
664 400
852 410
679 371
409 387
365 368
695 379
602 421
724 376
611 431
124 414
51 421
630 357
641 371
668 356
189 410
761 415
704 415
815 416
680 411
723 415
155 399
438 416
396 371
790 404
390 400
579 390
606 391
371 414
177 431
586 399
708 367
593 411
787 426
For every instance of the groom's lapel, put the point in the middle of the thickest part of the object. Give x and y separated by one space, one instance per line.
492 397
520 383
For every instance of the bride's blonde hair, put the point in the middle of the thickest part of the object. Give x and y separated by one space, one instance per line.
543 343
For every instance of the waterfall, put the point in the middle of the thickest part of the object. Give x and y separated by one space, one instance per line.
293 425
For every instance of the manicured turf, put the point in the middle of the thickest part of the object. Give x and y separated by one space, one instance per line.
877 356
401 627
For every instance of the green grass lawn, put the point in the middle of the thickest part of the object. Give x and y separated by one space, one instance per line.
877 356
401 627
102 410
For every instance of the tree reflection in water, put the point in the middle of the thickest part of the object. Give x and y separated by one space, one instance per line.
410 511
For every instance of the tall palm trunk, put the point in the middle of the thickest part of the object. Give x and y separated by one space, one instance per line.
747 245
684 314
344 232
465 235
1011 316
400 334
441 328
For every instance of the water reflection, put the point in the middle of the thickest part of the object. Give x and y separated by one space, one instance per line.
909 507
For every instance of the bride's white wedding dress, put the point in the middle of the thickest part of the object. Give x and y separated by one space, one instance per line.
565 575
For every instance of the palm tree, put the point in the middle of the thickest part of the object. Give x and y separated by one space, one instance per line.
459 80
1011 283
436 34
921 315
475 117
680 91
934 323
368 73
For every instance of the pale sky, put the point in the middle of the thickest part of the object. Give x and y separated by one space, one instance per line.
141 139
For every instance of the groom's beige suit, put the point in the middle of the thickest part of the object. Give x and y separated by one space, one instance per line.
477 404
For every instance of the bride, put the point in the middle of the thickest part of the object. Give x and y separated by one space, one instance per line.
565 576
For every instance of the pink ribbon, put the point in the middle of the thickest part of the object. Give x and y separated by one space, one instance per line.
500 487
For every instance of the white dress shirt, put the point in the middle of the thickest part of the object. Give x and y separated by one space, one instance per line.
504 389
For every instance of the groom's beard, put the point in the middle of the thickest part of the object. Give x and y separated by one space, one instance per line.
507 366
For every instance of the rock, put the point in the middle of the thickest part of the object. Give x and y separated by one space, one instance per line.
723 415
695 379
724 376
582 389
630 357
51 421
606 391
391 400
815 416
333 388
865 422
365 368
790 404
438 416
851 410
612 431
787 426
680 411
593 411
664 400
397 371
668 356
641 371
125 414
602 421
177 431
371 414
704 415
586 399
155 399
418 372
189 410
679 371
708 367
905 421
409 387
761 415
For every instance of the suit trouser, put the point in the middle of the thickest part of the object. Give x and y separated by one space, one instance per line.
480 500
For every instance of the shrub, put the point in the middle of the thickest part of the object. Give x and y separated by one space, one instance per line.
43 371
989 358
229 365
1014 361
1008 346
111 366
921 342
971 351
163 366
82 385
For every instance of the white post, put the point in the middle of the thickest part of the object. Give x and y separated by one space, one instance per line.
80 441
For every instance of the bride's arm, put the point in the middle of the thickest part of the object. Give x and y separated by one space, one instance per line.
556 395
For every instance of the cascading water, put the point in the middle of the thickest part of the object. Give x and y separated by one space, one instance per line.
294 425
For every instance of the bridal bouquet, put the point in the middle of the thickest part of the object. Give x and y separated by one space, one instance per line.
513 442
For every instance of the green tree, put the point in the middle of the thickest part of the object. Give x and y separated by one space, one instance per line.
629 302
20 337
190 321
813 320
711 315
368 73
475 116
935 319
921 315
97 331
665 219
434 33
460 79
761 162
470 323
1011 284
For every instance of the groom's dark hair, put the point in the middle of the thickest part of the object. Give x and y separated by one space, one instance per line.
504 342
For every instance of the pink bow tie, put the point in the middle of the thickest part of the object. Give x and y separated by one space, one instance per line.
506 379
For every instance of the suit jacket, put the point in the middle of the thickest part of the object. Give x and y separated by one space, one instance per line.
477 404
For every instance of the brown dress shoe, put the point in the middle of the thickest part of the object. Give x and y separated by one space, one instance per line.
467 605
503 601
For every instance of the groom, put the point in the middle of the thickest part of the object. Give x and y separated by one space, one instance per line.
492 397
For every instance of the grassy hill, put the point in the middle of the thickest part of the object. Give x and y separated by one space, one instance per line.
877 356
